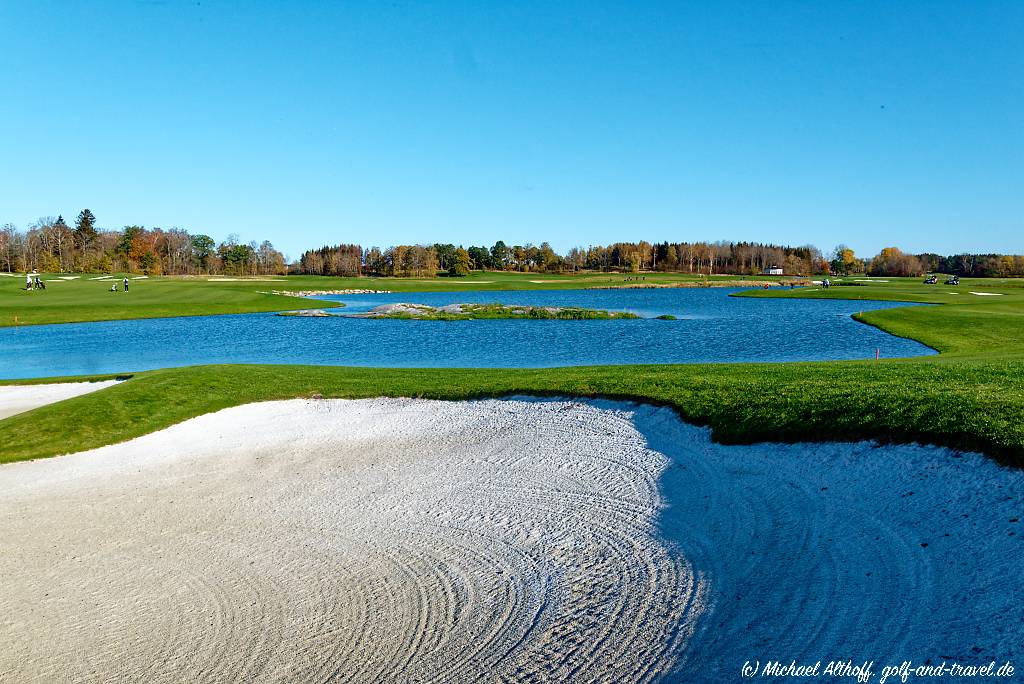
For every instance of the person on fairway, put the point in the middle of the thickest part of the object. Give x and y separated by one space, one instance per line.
28 281
126 283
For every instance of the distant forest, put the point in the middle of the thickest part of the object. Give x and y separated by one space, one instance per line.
50 244
698 257
734 258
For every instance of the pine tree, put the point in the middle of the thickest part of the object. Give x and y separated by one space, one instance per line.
85 228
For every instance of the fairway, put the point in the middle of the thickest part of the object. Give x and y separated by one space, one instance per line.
78 298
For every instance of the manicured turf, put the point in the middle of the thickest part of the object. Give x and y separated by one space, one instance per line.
971 396
80 300
968 405
83 299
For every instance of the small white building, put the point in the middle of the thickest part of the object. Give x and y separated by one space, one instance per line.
773 270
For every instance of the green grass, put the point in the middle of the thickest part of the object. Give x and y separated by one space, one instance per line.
82 299
971 396
965 405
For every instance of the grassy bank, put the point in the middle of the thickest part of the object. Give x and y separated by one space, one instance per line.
975 405
82 299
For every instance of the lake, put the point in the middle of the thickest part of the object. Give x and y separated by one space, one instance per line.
712 327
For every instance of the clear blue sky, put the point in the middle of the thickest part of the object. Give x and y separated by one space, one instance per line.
874 124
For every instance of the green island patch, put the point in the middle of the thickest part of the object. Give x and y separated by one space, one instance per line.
467 312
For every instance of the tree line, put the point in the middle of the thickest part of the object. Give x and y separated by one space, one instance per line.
723 257
50 244
893 262
741 258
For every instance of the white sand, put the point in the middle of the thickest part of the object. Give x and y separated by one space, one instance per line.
409 540
19 398
833 550
987 294
359 541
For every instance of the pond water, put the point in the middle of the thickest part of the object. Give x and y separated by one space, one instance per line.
712 327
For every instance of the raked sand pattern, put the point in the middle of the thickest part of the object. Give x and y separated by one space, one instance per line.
517 541
362 541
824 551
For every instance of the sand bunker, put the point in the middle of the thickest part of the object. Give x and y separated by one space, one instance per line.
359 541
831 550
511 541
19 398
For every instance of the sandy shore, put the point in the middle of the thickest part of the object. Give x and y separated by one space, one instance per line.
20 398
518 541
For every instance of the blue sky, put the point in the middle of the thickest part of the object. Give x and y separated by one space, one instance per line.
873 124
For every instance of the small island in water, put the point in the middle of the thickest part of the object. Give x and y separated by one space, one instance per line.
460 312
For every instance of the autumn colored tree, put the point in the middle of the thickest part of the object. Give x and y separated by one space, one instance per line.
460 263
893 262
844 261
